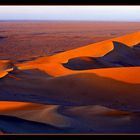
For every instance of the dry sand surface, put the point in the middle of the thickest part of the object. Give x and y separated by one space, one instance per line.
26 40
93 87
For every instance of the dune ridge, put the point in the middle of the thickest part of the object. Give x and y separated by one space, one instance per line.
46 114
51 63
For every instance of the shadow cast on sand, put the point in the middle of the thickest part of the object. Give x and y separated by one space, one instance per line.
120 56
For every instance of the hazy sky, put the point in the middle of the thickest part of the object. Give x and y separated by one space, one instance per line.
111 13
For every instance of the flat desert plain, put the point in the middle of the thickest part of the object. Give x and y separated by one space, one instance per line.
69 77
26 39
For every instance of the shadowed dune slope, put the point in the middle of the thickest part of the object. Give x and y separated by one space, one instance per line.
120 56
15 125
119 90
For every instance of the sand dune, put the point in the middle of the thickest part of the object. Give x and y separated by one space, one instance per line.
97 119
77 89
97 49
50 64
120 78
35 112
101 79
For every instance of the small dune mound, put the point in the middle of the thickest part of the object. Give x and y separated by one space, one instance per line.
120 56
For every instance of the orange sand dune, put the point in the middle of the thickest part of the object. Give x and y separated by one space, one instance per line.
126 74
96 49
123 79
96 117
34 112
129 74
53 64
86 88
95 81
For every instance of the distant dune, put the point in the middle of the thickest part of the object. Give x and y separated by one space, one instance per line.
90 89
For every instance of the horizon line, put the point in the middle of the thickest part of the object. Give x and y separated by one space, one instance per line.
68 20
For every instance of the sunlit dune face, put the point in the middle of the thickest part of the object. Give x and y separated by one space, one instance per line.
3 73
5 67
7 105
93 50
130 39
130 74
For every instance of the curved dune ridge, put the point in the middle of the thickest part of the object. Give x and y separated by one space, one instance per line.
34 112
101 79
50 64
97 119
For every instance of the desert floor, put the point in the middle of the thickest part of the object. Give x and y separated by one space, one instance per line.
24 40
